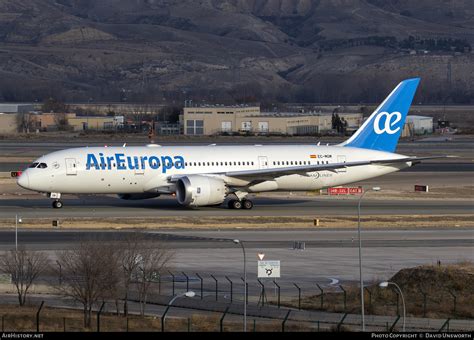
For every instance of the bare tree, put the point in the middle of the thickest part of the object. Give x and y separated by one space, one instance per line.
24 121
152 261
129 261
90 272
24 266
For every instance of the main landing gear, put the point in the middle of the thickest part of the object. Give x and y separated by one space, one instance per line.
240 204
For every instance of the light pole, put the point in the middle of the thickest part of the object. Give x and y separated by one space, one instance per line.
385 285
360 258
163 318
17 220
245 283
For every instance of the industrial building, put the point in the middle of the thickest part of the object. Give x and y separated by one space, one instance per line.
16 108
84 123
8 123
214 120
421 125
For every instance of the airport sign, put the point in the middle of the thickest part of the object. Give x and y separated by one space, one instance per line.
345 191
269 269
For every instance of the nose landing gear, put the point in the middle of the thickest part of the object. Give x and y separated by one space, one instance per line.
57 204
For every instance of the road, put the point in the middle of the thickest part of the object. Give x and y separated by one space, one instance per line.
102 206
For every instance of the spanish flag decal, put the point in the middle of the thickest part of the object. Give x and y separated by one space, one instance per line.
312 156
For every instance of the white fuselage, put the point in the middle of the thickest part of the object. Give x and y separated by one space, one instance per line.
121 170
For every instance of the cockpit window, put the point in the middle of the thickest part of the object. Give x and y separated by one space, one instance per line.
42 166
34 165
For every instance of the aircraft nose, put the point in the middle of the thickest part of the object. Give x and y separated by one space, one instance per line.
24 181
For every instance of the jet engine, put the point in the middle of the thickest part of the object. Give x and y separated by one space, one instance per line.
133 197
196 191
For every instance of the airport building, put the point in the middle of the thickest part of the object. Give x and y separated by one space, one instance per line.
421 124
8 123
417 125
16 108
215 120
84 123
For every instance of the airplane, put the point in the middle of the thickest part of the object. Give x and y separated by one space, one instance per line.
207 175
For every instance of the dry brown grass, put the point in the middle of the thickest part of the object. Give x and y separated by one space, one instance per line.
243 222
439 283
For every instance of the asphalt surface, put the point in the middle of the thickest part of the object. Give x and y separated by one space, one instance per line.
328 255
103 206
333 238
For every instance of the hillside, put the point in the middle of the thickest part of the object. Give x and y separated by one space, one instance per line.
234 50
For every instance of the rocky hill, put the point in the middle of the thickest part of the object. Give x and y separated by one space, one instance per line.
235 50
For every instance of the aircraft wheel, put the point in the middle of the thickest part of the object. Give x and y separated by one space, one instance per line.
57 204
247 204
234 204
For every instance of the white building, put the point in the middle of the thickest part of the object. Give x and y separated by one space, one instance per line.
16 108
421 124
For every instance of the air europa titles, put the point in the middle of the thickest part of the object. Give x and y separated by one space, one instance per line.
122 162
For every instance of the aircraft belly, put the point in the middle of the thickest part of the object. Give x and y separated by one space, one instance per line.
92 183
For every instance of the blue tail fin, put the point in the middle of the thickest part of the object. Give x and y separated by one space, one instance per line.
382 129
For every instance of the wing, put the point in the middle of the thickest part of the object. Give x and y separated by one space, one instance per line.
260 175
304 169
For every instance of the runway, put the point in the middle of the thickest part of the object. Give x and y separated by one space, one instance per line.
328 253
102 206
332 238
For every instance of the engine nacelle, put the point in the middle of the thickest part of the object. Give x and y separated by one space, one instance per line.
133 197
196 190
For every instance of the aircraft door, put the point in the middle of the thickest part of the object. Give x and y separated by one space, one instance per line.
71 166
262 162
341 159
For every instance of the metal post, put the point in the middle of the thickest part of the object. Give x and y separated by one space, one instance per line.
187 281
245 283
276 284
38 315
163 317
345 297
202 290
127 325
189 325
231 288
16 232
98 316
370 296
360 265
322 295
159 284
284 321
172 276
403 302
341 322
262 292
60 272
247 293
221 322
217 287
299 295
454 302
